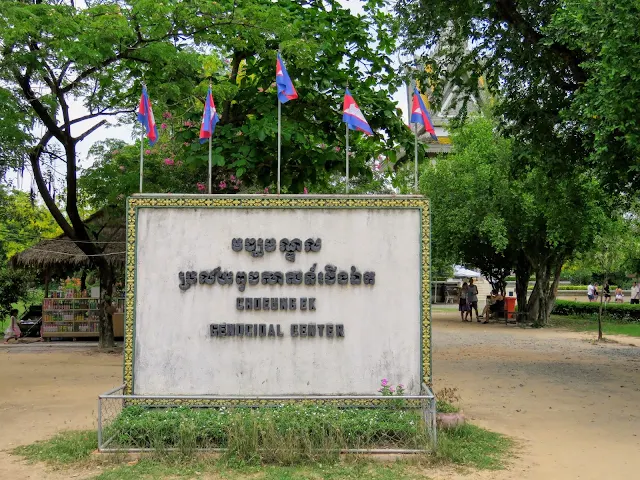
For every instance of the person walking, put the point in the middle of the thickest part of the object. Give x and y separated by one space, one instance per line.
619 295
607 292
463 307
472 300
635 294
13 330
591 292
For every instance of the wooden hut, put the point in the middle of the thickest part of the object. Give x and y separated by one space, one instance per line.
61 256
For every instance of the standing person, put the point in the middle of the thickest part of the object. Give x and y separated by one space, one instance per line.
13 330
619 295
607 292
635 294
590 292
595 291
472 300
462 302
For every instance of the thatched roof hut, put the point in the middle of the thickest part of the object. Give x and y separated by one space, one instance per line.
61 253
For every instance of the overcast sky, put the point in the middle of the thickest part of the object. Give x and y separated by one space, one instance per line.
124 132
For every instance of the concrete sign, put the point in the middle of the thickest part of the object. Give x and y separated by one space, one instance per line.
265 295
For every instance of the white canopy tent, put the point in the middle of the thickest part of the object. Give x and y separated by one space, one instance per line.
460 272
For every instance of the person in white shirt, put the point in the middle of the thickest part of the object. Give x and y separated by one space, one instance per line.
635 294
591 289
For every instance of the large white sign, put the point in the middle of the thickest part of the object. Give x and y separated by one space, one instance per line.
272 301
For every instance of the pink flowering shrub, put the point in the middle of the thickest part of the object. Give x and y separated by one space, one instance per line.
387 390
168 161
201 186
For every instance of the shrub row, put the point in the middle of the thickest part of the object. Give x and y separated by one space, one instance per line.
616 311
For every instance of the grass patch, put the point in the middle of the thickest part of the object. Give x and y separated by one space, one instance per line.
473 447
590 324
272 443
284 435
178 467
71 447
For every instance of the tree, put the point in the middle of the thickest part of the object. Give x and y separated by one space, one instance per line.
55 53
565 75
498 221
610 249
22 223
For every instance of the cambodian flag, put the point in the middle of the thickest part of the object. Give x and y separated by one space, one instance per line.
420 114
352 116
209 118
145 117
286 90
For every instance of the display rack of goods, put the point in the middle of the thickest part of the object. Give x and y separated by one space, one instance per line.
65 316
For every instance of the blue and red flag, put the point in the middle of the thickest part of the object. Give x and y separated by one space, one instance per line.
420 114
145 117
209 118
286 90
353 117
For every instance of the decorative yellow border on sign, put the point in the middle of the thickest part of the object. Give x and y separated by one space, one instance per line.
263 201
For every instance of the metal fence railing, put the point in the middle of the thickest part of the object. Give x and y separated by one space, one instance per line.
358 424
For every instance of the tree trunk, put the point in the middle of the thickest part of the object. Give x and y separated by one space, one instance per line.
606 280
83 280
523 272
105 322
543 296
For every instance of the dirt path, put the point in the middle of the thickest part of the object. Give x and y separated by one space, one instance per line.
46 390
573 406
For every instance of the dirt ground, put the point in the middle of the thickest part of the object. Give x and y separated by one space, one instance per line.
572 406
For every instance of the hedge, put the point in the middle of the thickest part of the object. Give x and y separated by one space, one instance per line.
617 311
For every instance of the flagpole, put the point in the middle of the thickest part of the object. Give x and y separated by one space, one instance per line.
347 149
279 144
211 135
141 158
415 148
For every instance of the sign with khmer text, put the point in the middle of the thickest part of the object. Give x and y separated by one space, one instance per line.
290 295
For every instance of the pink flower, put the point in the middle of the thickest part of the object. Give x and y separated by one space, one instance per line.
260 89
266 190
186 144
305 191
168 161
122 168
384 382
352 154
201 186
166 115
391 389
232 178
147 152
400 386
222 185
377 165
236 188
163 126
322 146
188 124
337 149
239 134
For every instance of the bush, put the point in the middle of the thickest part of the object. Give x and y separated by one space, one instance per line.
616 311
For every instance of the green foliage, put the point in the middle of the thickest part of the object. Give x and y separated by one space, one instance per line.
564 76
22 222
590 324
283 435
616 311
